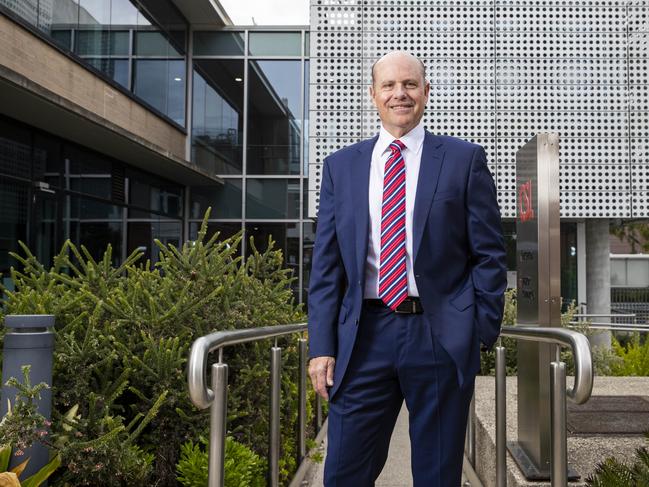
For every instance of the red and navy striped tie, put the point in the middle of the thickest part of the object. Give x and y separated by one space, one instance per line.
393 279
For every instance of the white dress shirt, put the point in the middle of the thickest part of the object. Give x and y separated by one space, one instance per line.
413 141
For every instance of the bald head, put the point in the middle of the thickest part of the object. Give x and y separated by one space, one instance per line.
398 56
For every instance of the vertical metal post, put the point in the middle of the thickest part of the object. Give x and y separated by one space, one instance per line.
501 418
469 442
301 412
559 475
218 414
275 386
318 412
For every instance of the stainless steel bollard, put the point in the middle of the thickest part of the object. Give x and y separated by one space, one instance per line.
29 341
318 412
275 387
301 390
218 416
471 432
559 439
501 418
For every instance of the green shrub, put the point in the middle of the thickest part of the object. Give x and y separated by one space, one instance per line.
614 473
123 338
633 357
243 467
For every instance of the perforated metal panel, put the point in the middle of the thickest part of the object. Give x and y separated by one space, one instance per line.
500 72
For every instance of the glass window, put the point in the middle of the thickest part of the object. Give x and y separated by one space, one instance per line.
307 256
307 44
637 273
285 236
273 198
217 117
274 117
62 37
123 12
161 83
102 43
80 208
618 272
305 106
153 44
154 195
14 201
225 200
94 13
27 9
15 149
275 43
117 69
142 236
48 165
90 173
218 43
225 229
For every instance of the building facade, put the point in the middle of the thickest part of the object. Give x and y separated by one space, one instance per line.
502 71
123 121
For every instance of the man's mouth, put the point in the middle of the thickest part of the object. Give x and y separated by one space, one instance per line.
401 107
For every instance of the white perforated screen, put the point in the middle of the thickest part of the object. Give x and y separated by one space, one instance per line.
500 72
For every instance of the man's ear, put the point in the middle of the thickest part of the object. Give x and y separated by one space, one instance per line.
427 88
371 92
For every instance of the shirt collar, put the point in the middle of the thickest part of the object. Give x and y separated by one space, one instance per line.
413 140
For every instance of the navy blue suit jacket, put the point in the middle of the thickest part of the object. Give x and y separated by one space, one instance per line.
458 247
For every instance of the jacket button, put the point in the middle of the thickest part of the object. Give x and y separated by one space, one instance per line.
416 275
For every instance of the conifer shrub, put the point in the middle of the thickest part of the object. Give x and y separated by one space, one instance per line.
123 335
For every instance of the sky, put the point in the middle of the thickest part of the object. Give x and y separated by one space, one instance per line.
267 12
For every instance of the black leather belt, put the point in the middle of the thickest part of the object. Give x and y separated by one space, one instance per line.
411 305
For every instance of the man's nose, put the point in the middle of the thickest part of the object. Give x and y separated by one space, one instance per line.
399 91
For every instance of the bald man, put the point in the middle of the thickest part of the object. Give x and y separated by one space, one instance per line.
407 281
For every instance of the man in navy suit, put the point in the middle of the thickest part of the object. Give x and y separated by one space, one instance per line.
407 280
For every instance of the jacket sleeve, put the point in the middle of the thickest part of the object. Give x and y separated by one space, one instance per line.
487 246
327 275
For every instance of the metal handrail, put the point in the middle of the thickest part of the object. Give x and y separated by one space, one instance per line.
215 398
579 393
577 342
611 326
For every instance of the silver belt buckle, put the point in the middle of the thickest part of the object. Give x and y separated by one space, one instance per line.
413 308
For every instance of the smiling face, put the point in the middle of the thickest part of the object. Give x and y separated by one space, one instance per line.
399 92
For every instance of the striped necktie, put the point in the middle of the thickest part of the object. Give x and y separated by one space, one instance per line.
393 280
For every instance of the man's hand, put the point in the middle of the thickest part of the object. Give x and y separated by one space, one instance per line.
321 371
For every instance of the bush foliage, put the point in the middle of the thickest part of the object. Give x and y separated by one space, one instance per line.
123 338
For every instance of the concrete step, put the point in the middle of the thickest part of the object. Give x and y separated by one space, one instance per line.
584 451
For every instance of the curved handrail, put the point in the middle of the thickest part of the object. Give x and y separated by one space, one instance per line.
583 385
200 394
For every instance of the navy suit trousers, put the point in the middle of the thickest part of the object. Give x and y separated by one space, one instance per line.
397 357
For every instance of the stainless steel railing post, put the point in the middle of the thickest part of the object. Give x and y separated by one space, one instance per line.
318 412
218 414
559 475
470 433
275 388
501 417
301 390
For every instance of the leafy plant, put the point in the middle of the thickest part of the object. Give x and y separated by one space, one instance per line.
125 332
614 473
243 467
634 357
20 428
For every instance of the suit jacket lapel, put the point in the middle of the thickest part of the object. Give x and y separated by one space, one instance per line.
432 158
359 185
